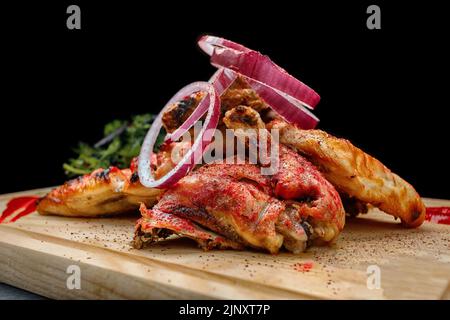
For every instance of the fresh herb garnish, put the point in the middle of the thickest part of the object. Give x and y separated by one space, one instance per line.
122 142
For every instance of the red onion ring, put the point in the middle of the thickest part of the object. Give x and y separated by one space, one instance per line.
212 101
198 112
278 102
228 54
209 43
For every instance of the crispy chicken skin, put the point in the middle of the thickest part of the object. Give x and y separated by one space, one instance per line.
355 173
240 93
316 199
294 207
156 225
109 191
229 200
179 112
103 192
360 178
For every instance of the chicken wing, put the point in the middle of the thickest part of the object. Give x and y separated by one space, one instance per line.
103 192
108 191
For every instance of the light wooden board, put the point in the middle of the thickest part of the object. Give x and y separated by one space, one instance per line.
36 251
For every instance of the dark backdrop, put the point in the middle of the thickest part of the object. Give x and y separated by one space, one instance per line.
385 90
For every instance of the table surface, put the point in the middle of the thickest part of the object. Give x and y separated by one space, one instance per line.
38 249
11 293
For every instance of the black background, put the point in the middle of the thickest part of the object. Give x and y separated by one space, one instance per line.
385 90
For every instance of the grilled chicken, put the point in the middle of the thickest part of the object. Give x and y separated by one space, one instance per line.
103 192
291 208
239 93
156 225
109 191
234 205
113 191
360 178
355 173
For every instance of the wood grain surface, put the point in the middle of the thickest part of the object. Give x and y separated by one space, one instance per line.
36 251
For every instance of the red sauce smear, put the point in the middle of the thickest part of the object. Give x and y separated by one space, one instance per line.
134 165
439 215
20 205
303 267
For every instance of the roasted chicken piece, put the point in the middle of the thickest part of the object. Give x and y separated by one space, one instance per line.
103 192
239 93
113 191
232 206
160 225
294 207
360 178
355 173
179 112
109 191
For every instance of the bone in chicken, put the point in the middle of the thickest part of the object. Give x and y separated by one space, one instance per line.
295 207
360 178
355 173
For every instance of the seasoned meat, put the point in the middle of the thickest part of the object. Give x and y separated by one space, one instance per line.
355 173
179 112
103 192
291 208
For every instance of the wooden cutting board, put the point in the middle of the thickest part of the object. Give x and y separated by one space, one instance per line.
36 252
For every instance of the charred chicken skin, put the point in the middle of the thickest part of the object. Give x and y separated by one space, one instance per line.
294 207
103 192
360 178
109 191
355 173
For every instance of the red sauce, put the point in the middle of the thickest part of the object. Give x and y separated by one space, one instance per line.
134 164
21 205
303 267
439 215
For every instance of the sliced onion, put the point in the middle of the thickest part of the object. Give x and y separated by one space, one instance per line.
291 112
209 43
222 79
231 55
200 110
212 102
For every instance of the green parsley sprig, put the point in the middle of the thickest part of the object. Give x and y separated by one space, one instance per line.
122 142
